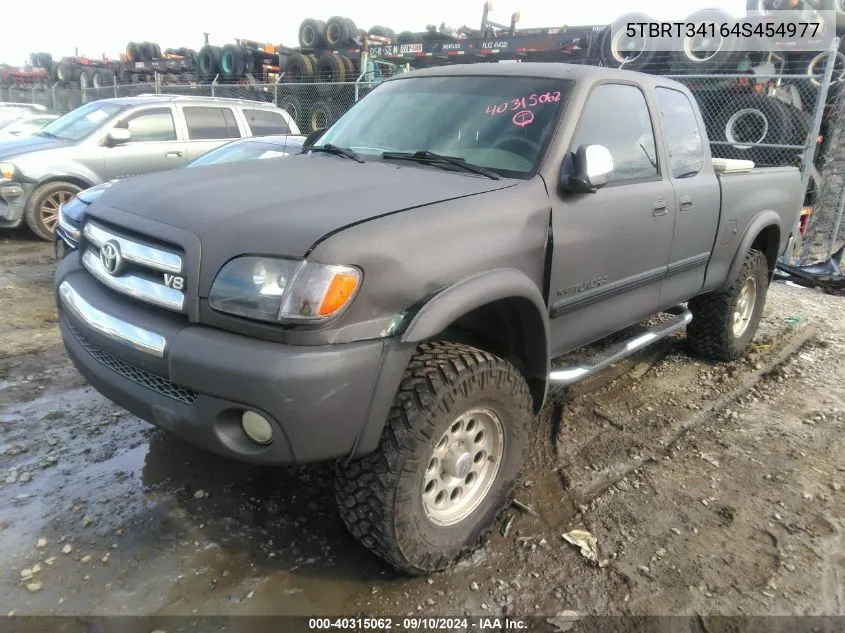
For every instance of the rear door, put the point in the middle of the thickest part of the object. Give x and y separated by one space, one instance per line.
263 122
207 127
154 145
611 246
697 196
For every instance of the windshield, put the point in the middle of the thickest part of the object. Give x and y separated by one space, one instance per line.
502 123
243 150
79 123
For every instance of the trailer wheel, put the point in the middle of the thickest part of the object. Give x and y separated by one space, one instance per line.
64 72
232 61
106 77
750 120
321 115
86 78
208 61
707 54
620 51
146 51
337 31
298 68
329 69
132 52
813 65
252 64
447 463
312 33
350 67
294 106
724 323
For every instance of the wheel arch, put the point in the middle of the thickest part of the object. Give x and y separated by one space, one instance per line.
73 179
763 234
501 311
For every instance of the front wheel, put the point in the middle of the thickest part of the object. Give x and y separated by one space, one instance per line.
724 323
448 460
42 208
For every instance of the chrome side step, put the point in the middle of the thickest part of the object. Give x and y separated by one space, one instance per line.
571 375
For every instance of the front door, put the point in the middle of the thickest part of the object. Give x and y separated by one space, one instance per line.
153 146
611 247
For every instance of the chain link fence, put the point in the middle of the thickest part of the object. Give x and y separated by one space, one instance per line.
778 111
826 191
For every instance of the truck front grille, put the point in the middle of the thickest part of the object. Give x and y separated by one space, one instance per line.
141 269
137 375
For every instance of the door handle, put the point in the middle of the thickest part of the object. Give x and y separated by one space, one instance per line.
172 154
686 203
661 208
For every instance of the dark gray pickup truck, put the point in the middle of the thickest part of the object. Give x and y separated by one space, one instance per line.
393 298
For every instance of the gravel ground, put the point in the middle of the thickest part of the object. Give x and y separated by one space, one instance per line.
710 489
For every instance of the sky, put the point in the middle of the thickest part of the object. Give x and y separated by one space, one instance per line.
104 26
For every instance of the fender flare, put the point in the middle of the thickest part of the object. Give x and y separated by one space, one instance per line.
470 293
758 224
473 292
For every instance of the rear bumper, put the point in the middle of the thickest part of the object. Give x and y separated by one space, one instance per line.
323 402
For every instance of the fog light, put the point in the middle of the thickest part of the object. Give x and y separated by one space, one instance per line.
257 428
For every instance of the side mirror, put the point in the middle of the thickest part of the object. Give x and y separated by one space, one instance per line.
589 169
117 136
313 137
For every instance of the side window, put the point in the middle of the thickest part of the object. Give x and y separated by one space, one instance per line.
266 122
210 123
155 124
683 137
617 117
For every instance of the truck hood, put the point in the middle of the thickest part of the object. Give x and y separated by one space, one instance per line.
284 205
26 144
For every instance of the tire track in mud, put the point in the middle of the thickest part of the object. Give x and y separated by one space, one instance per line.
558 497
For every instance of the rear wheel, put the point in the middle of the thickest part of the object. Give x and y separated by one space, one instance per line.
724 323
42 209
449 458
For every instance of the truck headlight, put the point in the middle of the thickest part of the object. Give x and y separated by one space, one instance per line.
279 290
7 171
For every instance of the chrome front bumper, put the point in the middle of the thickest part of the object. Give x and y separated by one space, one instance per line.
110 326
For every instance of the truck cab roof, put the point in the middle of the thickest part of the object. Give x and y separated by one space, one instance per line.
544 70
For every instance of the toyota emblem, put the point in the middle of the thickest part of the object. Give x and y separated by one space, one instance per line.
111 258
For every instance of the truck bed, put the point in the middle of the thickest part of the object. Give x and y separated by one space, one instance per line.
746 195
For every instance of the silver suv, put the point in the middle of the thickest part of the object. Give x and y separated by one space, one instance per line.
118 138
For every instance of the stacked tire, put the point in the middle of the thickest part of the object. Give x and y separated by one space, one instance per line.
314 93
142 52
740 124
686 55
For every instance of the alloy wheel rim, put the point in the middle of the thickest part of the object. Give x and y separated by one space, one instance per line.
463 466
50 209
744 307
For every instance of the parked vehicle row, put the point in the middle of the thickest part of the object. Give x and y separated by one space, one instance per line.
119 138
396 298
71 218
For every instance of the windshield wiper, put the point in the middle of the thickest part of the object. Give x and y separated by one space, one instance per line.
46 134
337 151
425 156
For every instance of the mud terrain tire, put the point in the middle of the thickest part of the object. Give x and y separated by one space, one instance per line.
724 323
388 499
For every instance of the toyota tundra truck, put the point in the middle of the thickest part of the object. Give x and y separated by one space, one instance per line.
395 297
